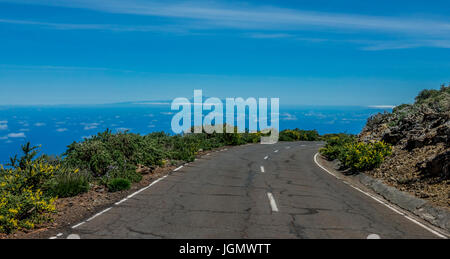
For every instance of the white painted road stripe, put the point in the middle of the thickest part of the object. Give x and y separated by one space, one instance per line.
178 168
262 169
382 202
79 224
123 200
98 214
266 157
273 204
276 151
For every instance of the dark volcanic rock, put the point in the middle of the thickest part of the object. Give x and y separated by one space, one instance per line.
420 135
437 166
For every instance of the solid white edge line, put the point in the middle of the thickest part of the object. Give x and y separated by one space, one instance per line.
120 202
98 214
178 168
381 201
273 204
79 224
262 169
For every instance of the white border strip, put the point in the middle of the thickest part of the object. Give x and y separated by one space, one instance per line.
178 168
385 203
273 204
123 200
262 169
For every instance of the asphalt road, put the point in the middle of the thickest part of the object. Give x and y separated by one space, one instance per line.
253 191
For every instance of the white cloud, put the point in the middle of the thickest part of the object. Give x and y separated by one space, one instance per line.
90 126
167 113
184 16
382 106
288 117
39 124
250 16
62 130
16 135
3 125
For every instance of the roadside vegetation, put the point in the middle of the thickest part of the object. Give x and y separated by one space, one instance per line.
31 183
299 135
355 155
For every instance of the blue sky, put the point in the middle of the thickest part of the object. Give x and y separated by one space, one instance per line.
304 52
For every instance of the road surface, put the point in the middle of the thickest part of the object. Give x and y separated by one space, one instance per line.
253 191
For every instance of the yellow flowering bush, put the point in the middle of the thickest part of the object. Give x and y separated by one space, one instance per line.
22 202
21 205
360 156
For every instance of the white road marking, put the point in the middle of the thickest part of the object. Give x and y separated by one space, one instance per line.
73 236
262 169
266 157
273 204
373 236
385 203
122 201
78 225
141 190
276 151
98 214
178 168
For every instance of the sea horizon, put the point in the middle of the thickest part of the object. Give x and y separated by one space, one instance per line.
54 127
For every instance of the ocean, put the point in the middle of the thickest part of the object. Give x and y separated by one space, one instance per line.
55 127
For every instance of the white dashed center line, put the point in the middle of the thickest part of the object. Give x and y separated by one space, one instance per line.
273 204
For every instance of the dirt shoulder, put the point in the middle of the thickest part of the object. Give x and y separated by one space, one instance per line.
73 210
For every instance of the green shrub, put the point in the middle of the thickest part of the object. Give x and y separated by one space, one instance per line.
118 184
360 156
22 202
299 135
68 184
106 151
335 145
357 156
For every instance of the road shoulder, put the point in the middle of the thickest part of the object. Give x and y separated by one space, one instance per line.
437 218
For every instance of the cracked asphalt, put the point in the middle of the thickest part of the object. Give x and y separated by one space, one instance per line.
224 195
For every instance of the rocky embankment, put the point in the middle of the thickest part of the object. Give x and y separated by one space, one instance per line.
419 134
